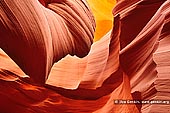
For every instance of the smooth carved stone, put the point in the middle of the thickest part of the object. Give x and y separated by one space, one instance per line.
130 62
36 37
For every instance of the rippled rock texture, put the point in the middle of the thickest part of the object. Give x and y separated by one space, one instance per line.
50 64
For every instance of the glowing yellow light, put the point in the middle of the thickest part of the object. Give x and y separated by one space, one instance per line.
102 10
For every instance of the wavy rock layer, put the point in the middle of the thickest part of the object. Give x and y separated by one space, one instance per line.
130 62
144 47
35 37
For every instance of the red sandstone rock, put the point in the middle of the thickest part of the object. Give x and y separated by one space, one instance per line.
36 37
133 58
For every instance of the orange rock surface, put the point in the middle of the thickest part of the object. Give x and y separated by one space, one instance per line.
50 64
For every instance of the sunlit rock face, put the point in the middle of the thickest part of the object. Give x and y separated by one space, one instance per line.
49 63
102 10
